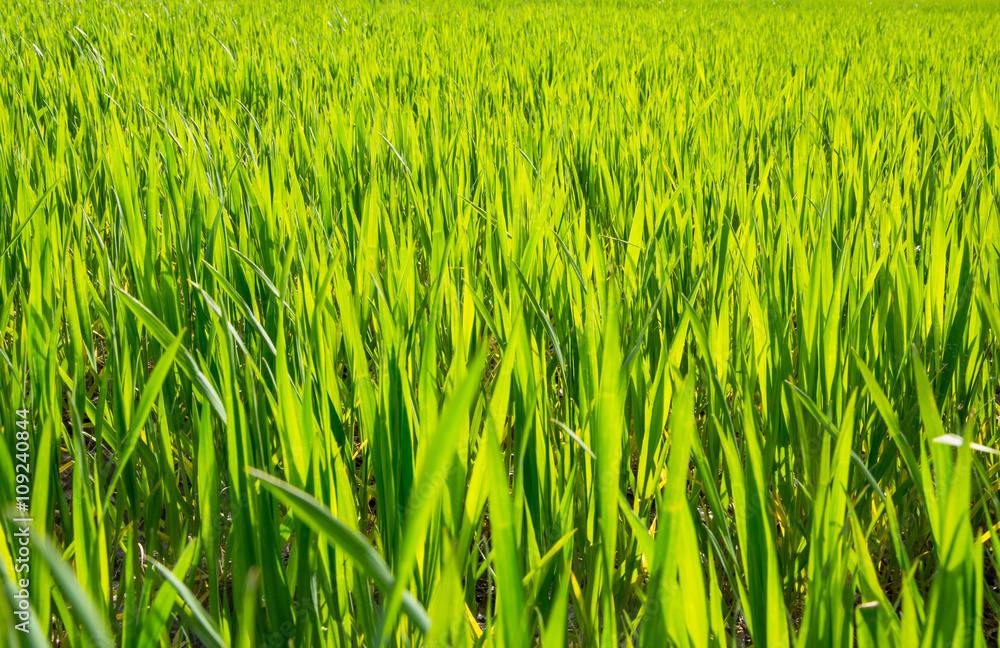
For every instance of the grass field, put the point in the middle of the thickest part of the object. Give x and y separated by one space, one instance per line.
449 324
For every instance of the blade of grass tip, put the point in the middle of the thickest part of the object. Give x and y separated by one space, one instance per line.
83 608
573 436
202 624
314 514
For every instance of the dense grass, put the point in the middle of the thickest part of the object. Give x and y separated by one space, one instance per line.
431 324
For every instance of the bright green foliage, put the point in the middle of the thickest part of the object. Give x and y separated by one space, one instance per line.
427 324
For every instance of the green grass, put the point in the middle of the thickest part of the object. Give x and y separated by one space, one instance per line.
434 324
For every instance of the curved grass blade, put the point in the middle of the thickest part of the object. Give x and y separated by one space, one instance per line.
83 608
202 624
314 514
